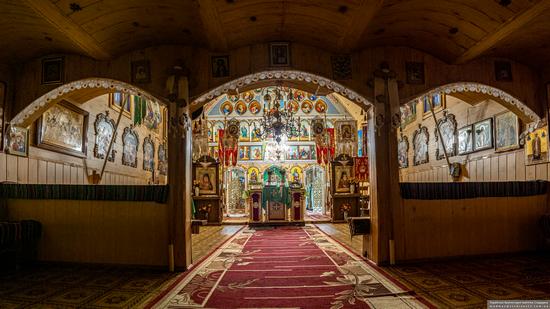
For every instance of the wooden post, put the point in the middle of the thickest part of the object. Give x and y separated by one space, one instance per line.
179 180
383 166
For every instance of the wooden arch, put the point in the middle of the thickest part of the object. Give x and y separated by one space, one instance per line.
290 77
78 91
471 92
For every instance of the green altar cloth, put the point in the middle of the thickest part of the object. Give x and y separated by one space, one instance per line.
280 194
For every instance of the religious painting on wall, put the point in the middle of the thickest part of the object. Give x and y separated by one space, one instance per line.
304 152
342 175
503 71
220 66
320 106
465 140
244 153
244 131
536 146
403 152
483 134
346 131
448 128
52 70
104 130
506 131
254 107
294 106
253 175
130 144
162 160
248 96
256 152
307 107
279 54
293 153
304 130
153 116
408 113
63 128
240 108
296 174
17 141
421 138
438 103
341 67
148 154
206 176
141 72
255 131
415 73
226 108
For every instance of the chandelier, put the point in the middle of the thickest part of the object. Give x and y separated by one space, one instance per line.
278 118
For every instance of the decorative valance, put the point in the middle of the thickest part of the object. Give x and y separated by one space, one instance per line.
466 190
157 194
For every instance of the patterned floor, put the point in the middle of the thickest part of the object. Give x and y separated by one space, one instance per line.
469 283
456 284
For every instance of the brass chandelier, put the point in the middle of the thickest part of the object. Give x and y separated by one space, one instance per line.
278 119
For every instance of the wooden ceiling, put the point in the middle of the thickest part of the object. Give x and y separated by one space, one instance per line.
455 31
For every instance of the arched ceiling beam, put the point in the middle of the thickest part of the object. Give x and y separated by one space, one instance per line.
359 22
505 30
51 13
212 25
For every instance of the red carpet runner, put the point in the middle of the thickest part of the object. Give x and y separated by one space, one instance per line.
285 268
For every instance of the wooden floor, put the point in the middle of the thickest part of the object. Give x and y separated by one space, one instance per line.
466 283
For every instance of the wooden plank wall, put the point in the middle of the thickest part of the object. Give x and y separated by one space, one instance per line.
444 228
485 165
50 167
133 233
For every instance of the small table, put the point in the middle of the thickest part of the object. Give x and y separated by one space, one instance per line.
359 226
195 225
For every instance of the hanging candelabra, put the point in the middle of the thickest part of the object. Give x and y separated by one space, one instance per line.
278 117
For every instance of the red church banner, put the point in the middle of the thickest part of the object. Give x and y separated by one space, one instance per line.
228 148
362 168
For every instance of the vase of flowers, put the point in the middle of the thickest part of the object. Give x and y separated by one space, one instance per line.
345 208
196 189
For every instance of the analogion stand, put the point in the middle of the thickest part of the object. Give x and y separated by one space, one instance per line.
289 210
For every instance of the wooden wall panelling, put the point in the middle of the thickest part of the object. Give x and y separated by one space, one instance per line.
98 231
3 169
11 168
442 228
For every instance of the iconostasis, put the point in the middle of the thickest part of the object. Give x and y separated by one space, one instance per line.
248 109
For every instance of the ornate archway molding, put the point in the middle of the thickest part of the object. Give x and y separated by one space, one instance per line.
499 95
104 85
282 75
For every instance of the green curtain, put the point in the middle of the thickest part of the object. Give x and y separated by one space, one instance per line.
140 108
276 194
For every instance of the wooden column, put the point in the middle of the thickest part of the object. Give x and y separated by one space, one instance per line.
179 180
384 173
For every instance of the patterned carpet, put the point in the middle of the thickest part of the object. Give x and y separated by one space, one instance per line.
286 267
469 283
311 217
80 286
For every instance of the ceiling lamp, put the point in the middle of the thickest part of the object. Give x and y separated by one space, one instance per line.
278 119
